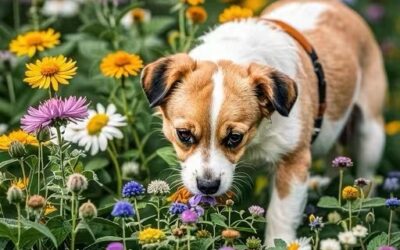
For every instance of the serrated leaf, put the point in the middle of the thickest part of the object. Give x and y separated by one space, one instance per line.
378 241
328 202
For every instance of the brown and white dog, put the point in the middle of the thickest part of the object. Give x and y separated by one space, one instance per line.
249 90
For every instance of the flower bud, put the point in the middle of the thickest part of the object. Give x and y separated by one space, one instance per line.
177 232
77 183
87 211
16 150
203 234
370 218
43 135
229 202
253 243
230 234
15 195
36 202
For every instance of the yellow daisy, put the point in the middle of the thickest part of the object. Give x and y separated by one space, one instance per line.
254 5
151 235
196 14
120 64
18 135
234 13
49 208
50 70
20 183
33 41
392 128
193 2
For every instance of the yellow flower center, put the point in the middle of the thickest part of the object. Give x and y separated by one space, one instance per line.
122 60
34 39
293 246
49 69
97 123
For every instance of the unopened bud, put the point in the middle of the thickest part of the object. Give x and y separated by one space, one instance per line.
370 218
16 150
36 202
15 195
177 232
334 217
87 211
77 183
229 202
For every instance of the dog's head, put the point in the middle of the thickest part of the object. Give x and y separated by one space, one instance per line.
211 111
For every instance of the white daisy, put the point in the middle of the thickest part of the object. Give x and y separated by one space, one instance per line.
94 132
64 8
135 15
330 244
360 231
347 238
318 182
300 244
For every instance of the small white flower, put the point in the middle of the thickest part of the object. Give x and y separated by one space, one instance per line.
3 128
158 187
334 217
130 169
347 238
318 182
94 132
330 244
129 17
300 244
64 8
360 231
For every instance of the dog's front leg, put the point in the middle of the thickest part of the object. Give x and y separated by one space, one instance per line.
289 196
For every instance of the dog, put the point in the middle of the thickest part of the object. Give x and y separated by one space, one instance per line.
249 90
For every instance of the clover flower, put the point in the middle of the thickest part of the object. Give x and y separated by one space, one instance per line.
359 231
256 210
315 222
150 235
330 244
115 246
132 189
342 162
392 203
123 209
350 193
347 238
391 184
158 187
177 208
189 216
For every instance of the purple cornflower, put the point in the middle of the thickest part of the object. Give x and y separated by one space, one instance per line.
189 216
342 162
387 248
391 184
132 189
202 199
256 210
177 208
54 110
375 12
392 203
115 246
123 209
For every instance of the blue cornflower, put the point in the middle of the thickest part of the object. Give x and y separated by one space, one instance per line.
123 209
177 208
132 189
392 203
391 184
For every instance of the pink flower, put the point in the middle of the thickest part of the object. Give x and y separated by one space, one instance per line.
52 111
189 216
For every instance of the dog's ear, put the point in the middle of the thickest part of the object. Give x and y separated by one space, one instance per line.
160 77
274 89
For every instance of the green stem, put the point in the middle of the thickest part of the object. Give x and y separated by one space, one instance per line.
316 240
362 244
10 86
16 15
35 14
229 216
390 226
188 239
19 225
340 187
117 171
137 214
39 168
123 233
158 212
59 138
73 215
350 226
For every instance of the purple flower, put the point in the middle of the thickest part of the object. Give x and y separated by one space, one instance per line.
391 184
375 12
315 222
394 174
202 199
256 210
387 248
342 162
392 203
132 189
177 208
115 246
226 248
54 110
189 216
123 209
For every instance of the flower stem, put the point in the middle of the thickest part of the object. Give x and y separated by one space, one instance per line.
59 138
19 225
390 226
117 171
73 215
229 216
35 14
350 215
340 187
188 239
158 212
16 15
137 214
10 86
123 233
362 244
316 240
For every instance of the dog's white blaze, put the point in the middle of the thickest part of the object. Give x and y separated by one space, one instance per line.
217 99
302 16
191 168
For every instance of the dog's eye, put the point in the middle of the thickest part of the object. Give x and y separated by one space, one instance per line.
185 136
233 139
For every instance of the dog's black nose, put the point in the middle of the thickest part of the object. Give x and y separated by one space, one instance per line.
208 186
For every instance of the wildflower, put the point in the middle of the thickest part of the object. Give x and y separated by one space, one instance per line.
253 243
196 14
123 209
18 135
350 193
151 235
229 202
202 199
87 211
256 210
130 169
177 232
15 195
318 182
77 183
193 2
158 187
315 222
254 5
342 162
387 248
49 209
203 234
189 216
182 195
50 72
330 244
177 208
136 15
299 244
392 128
34 41
97 129
234 13
17 150
54 110
132 189
20 183
359 231
120 64
347 238
362 182
391 184
115 246
230 234
392 203
36 202
370 218
63 8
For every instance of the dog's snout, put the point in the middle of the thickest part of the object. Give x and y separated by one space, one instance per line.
208 186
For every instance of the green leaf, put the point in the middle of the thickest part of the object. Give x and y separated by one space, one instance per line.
168 155
97 163
373 202
218 219
42 229
245 229
158 25
93 49
280 243
8 229
202 243
328 202
60 228
7 162
378 241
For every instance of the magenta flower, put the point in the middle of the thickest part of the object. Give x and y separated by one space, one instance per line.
54 110
115 246
342 162
189 216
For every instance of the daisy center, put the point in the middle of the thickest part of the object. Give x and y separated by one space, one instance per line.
122 60
293 246
49 69
34 39
96 123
